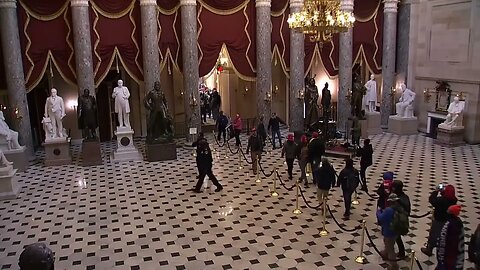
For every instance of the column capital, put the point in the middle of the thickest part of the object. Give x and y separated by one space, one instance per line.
296 3
390 6
263 3
148 2
346 5
79 3
188 2
8 3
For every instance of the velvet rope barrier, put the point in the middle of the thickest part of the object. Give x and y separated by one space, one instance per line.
307 203
283 183
341 226
378 251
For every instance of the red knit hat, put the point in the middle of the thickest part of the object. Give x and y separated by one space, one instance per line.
290 137
315 134
454 210
303 139
449 192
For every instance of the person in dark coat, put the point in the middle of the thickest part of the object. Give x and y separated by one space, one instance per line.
302 156
366 160
474 248
440 205
262 132
326 180
256 146
404 202
222 123
274 127
316 149
384 190
288 151
348 179
36 256
450 243
204 165
87 115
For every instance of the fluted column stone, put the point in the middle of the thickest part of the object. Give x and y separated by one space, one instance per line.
188 12
297 72
82 45
151 55
17 94
264 58
345 72
388 58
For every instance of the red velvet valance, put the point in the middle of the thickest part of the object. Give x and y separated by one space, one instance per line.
48 8
168 4
279 5
46 41
223 4
236 31
169 41
364 10
112 6
328 52
281 36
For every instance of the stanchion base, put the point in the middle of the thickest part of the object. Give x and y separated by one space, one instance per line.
258 181
361 260
240 167
297 211
324 233
355 202
274 194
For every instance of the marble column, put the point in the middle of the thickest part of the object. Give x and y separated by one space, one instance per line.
403 40
345 72
388 58
191 95
151 55
82 45
297 73
12 54
264 59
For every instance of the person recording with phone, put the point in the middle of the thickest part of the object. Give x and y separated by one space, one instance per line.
441 199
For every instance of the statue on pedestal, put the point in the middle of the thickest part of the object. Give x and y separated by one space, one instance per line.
160 124
404 106
122 107
87 115
371 94
358 91
54 111
311 102
11 136
326 102
455 115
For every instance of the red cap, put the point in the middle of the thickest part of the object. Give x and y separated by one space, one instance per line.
449 192
454 210
315 134
254 129
303 139
290 137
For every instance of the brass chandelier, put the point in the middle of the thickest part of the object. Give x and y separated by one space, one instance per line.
320 19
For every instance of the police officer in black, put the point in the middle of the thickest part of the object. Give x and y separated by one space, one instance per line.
204 165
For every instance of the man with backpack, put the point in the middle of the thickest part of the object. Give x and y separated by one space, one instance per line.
404 202
348 179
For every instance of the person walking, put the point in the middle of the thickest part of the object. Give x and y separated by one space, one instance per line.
316 149
450 244
366 160
385 219
474 248
237 129
348 180
384 190
440 206
404 202
204 164
262 132
274 128
302 156
326 180
222 123
255 145
288 151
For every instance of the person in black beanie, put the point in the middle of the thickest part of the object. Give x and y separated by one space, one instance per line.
348 180
36 257
366 160
204 165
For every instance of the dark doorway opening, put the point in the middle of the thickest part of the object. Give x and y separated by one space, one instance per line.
106 113
36 107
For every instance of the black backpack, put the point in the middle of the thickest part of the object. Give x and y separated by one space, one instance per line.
352 180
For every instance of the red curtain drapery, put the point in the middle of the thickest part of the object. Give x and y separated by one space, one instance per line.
236 31
281 34
48 8
223 5
168 4
169 41
279 5
113 6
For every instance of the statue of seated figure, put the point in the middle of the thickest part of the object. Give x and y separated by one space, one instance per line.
404 107
455 115
8 137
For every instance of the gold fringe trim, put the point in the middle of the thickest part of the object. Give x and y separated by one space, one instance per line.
368 18
45 17
363 58
132 37
276 52
376 44
29 45
224 12
281 12
245 29
316 53
72 54
113 15
168 11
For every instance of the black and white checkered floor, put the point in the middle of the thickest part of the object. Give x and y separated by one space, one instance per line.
139 215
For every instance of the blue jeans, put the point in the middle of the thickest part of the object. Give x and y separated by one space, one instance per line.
277 133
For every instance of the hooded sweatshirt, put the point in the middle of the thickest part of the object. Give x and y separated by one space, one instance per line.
451 246
441 203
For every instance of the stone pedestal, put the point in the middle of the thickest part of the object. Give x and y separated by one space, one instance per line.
18 157
9 187
451 137
125 151
57 152
373 123
91 153
403 126
161 151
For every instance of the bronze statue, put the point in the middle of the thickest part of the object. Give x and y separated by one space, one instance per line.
87 115
311 100
160 123
358 91
326 102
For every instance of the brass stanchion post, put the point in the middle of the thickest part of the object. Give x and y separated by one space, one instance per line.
257 178
240 160
194 151
308 169
324 231
297 210
355 199
412 259
360 258
274 192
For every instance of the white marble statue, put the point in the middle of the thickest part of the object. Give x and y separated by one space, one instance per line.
405 103
370 98
455 115
10 136
55 111
122 108
3 161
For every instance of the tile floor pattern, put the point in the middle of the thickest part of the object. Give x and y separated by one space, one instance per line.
139 215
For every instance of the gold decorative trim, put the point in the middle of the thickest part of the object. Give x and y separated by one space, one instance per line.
362 56
281 12
113 15
29 45
168 56
169 11
371 16
177 55
129 72
72 53
283 41
44 17
107 69
376 44
311 60
330 55
50 57
132 36
316 53
99 59
224 12
159 33
200 28
245 29
241 76
276 51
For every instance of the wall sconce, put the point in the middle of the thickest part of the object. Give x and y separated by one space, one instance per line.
460 96
275 90
17 114
245 92
72 104
426 95
268 96
394 91
301 94
193 101
349 95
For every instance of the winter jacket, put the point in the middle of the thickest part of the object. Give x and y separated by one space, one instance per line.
204 158
302 152
261 130
440 205
254 144
325 178
274 123
237 124
222 122
289 150
341 181
383 192
474 248
404 202
316 149
366 158
450 245
385 218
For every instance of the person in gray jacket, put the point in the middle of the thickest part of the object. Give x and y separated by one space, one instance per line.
289 151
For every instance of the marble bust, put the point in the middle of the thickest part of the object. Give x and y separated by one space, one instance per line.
10 136
122 107
404 105
455 115
54 111
370 98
